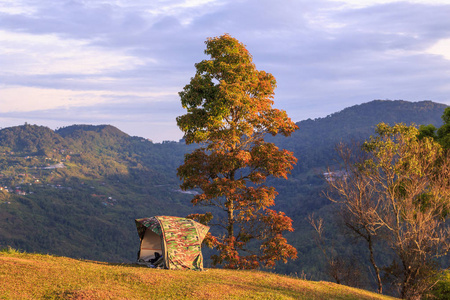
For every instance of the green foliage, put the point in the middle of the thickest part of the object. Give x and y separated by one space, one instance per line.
442 134
427 131
10 250
442 288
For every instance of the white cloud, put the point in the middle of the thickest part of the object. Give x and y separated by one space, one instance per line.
15 7
26 99
366 3
26 53
442 48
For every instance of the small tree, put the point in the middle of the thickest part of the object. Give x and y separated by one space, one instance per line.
358 201
229 110
402 191
342 269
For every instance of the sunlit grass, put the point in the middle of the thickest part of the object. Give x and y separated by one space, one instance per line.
35 276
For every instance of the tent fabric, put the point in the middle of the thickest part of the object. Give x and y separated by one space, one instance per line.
180 239
143 224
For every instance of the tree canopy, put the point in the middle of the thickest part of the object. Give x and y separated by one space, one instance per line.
441 134
229 111
398 195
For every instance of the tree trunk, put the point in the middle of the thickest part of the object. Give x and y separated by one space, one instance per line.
375 267
230 225
230 210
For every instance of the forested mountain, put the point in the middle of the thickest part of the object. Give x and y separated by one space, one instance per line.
77 190
315 140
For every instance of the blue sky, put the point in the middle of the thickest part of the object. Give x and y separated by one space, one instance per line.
123 62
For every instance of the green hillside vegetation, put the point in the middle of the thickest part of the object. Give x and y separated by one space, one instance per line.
36 276
76 191
81 187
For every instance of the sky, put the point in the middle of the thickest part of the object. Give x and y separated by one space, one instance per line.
123 62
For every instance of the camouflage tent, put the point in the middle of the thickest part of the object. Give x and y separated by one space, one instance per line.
171 242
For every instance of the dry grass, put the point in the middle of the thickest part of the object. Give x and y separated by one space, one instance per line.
35 276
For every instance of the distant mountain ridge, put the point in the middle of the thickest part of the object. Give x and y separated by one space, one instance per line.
86 207
105 129
317 138
393 111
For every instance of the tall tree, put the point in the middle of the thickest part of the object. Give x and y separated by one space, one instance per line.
229 110
400 194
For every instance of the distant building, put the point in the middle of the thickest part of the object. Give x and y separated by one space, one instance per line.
330 176
57 166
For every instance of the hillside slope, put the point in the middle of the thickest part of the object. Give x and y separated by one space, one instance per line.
34 276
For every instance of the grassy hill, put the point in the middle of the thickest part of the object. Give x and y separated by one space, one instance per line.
36 276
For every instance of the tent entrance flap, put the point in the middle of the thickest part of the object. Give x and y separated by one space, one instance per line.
150 244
